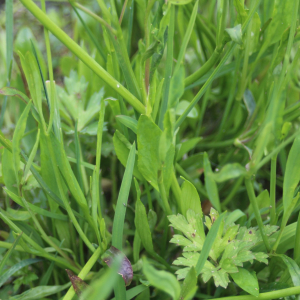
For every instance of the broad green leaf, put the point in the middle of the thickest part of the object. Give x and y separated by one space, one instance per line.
190 199
189 285
142 225
229 171
246 281
291 177
210 184
235 34
148 139
182 106
122 148
12 270
162 280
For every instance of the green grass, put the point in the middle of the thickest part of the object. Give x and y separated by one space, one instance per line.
167 132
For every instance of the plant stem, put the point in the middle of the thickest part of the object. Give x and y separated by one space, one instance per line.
254 204
83 56
265 296
86 269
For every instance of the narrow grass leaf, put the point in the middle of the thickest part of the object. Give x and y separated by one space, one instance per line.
293 269
208 243
169 64
82 55
189 285
36 209
187 37
291 177
119 218
141 222
9 27
18 266
32 155
9 252
9 91
18 134
128 122
210 184
130 294
41 292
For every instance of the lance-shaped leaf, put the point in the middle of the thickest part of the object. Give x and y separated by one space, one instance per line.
78 284
125 269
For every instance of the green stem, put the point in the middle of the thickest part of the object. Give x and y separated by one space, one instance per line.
94 16
265 296
273 190
86 269
276 151
83 56
254 204
204 69
212 76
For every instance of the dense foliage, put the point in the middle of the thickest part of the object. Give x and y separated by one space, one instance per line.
150 149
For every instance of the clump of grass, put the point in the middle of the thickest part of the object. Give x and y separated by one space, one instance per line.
152 117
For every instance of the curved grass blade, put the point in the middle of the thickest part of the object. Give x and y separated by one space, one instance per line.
17 267
9 252
40 292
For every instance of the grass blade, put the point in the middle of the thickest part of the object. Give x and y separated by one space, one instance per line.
8 253
82 55
118 225
169 63
9 26
17 267
209 240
